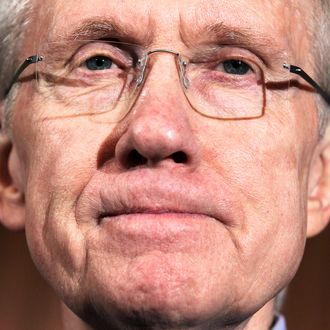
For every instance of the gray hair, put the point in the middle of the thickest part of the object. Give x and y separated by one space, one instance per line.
322 58
14 17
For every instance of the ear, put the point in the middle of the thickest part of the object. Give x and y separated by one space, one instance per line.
12 210
319 188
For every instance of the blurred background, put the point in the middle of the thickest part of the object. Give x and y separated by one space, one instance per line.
27 303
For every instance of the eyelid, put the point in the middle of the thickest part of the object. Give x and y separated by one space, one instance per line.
223 53
252 65
246 53
119 56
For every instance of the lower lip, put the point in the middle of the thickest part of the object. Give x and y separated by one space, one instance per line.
155 225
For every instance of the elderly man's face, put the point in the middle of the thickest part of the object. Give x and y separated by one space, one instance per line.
168 216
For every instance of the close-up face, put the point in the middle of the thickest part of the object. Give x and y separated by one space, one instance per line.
156 212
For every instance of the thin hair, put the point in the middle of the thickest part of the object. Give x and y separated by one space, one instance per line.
322 58
14 18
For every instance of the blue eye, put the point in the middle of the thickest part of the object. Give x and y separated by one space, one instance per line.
236 67
99 63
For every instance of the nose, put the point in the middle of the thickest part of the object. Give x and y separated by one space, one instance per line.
159 130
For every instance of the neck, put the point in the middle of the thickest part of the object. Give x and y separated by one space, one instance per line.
263 319
71 321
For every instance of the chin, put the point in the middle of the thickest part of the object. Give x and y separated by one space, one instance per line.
159 305
146 317
155 317
135 318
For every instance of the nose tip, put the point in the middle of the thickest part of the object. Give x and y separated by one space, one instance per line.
150 143
158 133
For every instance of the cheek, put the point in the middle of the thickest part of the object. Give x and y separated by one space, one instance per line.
58 169
266 177
267 162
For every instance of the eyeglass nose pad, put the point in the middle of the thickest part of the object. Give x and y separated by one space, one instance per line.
142 65
183 72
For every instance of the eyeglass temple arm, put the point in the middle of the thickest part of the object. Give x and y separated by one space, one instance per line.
30 60
300 72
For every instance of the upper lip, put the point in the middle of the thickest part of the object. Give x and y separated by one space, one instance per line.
145 192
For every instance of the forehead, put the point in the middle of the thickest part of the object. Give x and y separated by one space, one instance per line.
174 18
186 10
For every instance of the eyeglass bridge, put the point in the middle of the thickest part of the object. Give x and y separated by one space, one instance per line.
182 64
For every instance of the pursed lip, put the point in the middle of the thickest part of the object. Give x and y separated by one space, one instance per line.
149 192
162 212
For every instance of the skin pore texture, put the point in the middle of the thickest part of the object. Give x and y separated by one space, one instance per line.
129 236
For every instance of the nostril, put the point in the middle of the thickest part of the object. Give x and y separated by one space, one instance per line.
135 159
179 157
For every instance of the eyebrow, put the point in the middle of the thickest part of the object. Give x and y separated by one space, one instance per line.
96 28
264 45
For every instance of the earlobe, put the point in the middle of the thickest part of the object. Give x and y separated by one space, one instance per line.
319 196
12 209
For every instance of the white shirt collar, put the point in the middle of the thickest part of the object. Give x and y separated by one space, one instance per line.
280 323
